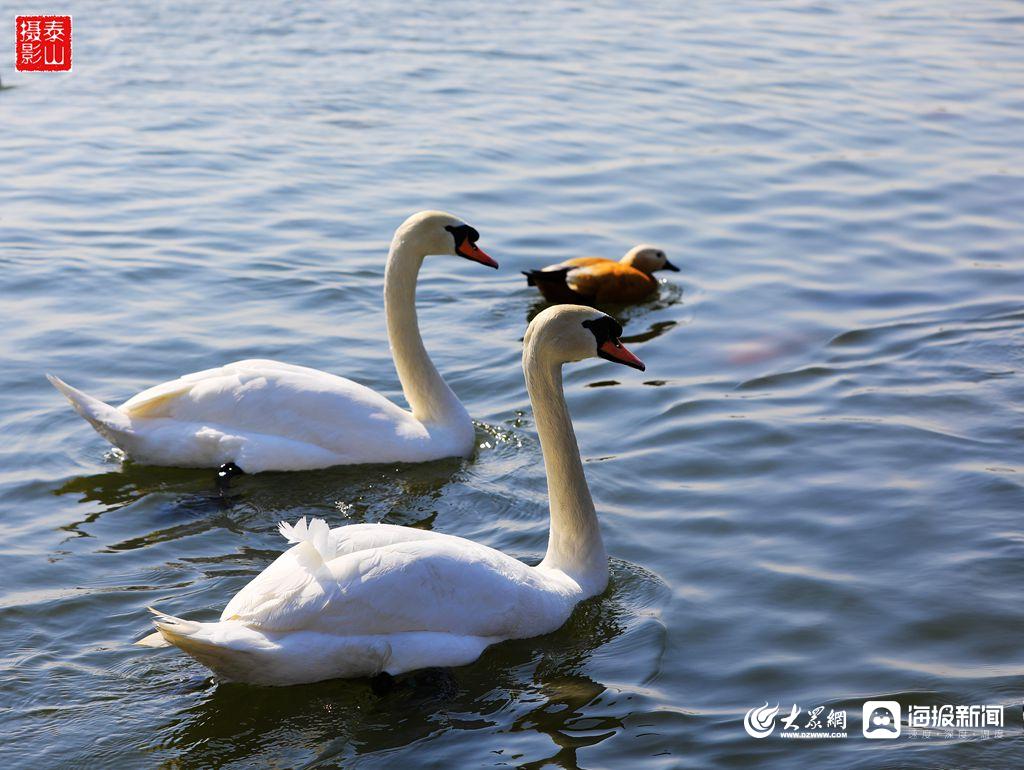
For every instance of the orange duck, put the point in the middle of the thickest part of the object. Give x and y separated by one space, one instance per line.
597 281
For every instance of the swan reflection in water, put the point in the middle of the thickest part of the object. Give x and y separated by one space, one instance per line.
191 503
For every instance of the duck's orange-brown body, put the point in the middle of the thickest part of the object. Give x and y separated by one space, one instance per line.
596 280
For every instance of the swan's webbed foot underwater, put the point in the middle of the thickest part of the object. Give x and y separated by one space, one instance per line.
382 683
225 473
425 683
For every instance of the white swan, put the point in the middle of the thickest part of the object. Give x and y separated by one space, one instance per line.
366 598
264 415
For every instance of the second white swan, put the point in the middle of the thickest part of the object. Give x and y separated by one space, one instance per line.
264 415
370 598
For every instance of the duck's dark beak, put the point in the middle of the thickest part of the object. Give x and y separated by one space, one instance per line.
613 350
670 266
475 253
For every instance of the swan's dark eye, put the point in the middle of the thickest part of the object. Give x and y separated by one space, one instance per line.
463 234
604 329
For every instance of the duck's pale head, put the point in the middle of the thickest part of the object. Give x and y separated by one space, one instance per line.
573 333
437 232
648 259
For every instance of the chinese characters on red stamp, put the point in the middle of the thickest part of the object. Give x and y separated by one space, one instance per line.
42 43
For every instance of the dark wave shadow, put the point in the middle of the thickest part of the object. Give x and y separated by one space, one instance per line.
656 329
116 489
397 493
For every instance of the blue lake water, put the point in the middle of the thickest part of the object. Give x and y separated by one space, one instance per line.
813 496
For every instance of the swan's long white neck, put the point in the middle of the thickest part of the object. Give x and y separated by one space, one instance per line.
431 400
574 543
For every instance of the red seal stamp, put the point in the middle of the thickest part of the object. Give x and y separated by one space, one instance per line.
42 43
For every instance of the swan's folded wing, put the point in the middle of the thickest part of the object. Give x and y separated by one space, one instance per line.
438 583
360 537
275 399
295 585
158 401
172 397
443 584
298 580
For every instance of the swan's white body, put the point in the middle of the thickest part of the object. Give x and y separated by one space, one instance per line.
369 598
358 600
265 415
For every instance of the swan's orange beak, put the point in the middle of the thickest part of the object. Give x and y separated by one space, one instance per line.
475 253
615 351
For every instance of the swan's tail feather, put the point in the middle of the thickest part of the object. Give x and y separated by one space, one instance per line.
202 642
179 632
113 424
317 533
155 639
172 625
